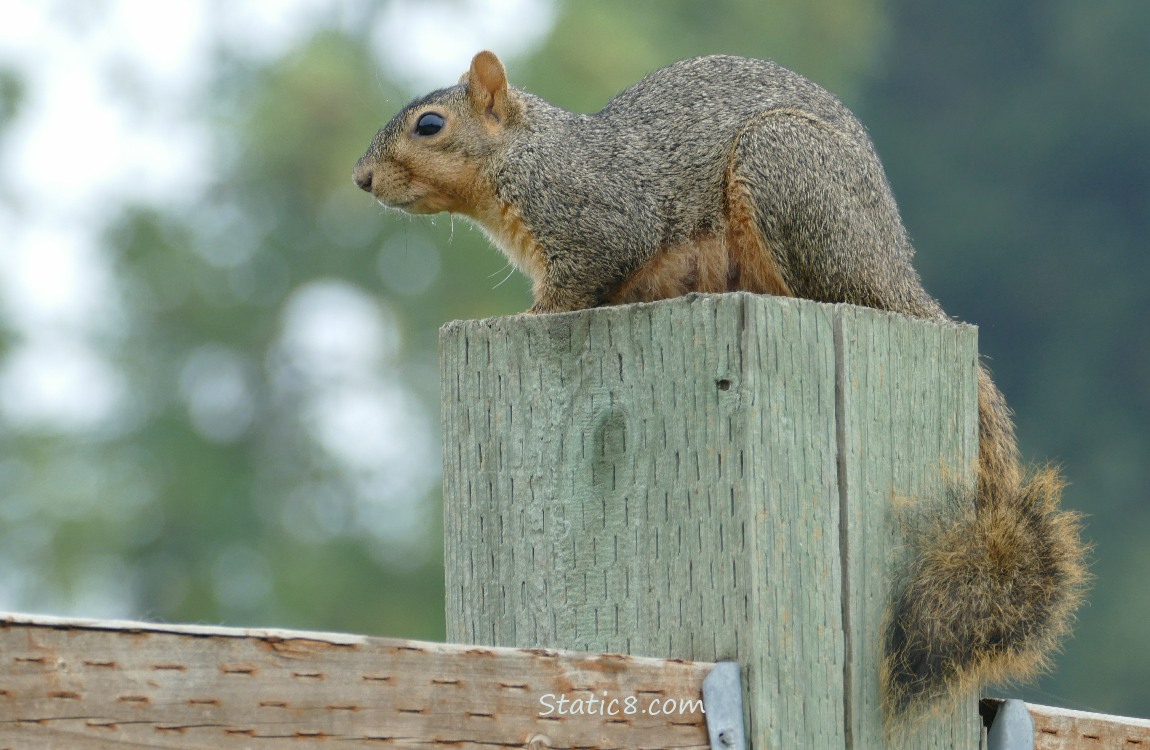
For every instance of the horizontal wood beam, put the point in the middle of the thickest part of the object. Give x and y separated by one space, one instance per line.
1065 729
84 684
87 684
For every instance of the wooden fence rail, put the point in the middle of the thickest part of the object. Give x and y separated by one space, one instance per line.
1065 729
88 685
70 684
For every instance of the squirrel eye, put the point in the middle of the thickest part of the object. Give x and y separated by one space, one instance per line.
429 123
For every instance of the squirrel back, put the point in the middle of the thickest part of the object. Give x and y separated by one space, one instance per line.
720 174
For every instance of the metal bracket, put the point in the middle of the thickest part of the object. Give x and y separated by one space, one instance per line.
723 705
1012 728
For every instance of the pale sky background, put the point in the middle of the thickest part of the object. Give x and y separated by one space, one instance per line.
80 147
83 144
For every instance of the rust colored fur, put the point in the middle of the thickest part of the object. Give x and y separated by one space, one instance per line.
729 260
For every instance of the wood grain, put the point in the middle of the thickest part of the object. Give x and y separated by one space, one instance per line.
84 685
1064 729
691 478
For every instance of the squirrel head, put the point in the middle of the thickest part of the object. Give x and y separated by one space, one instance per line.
434 155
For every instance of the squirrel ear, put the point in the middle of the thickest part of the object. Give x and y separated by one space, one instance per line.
487 85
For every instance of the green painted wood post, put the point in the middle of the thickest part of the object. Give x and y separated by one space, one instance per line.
711 477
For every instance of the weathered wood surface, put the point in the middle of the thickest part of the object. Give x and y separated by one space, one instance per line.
908 428
709 477
1064 729
83 685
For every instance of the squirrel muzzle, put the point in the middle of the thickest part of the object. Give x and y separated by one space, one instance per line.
362 175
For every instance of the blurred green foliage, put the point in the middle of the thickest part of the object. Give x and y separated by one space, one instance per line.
1015 138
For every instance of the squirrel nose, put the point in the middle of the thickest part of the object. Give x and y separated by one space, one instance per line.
362 176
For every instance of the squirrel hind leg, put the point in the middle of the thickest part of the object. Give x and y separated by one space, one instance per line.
817 198
991 592
752 264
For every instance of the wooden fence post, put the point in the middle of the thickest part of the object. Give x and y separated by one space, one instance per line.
711 477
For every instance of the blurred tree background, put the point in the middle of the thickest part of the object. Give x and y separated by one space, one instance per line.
218 383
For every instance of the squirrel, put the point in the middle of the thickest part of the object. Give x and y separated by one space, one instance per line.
722 174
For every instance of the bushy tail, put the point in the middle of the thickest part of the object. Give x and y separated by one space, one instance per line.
993 581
